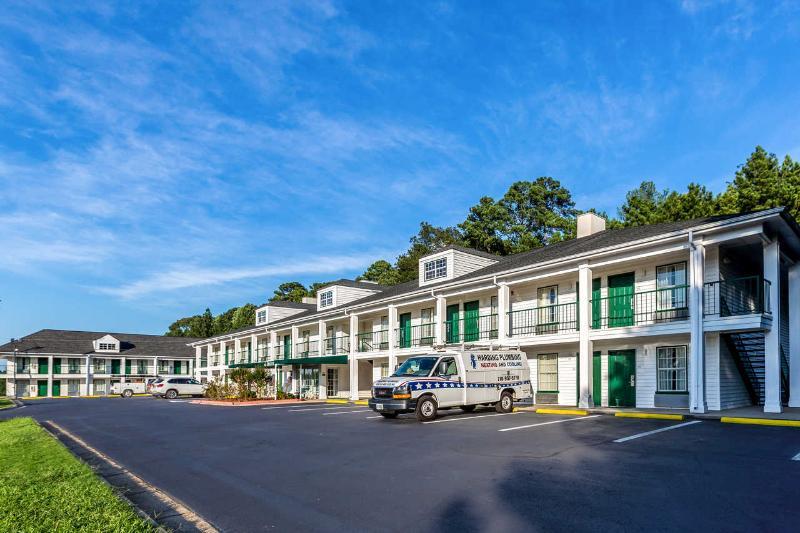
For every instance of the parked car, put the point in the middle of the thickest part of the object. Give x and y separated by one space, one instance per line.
128 389
171 388
151 382
454 378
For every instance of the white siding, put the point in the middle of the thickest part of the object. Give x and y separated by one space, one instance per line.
646 375
604 379
567 383
712 359
343 295
464 263
275 313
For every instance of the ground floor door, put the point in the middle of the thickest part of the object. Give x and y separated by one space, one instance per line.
332 389
597 382
622 378
56 387
309 382
41 387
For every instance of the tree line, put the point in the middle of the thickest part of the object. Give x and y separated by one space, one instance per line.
536 213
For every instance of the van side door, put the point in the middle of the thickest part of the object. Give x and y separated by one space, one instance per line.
447 382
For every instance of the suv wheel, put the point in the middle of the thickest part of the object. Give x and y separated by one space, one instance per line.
172 394
426 409
506 403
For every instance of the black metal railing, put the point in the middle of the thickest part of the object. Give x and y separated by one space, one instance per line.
415 336
337 345
739 296
471 329
545 320
306 348
373 341
657 306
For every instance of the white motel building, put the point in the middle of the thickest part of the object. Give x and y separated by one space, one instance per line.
54 363
701 314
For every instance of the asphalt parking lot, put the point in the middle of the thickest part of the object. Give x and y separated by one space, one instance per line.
343 468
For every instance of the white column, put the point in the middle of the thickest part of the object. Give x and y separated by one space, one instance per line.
49 376
198 354
585 367
294 341
272 348
441 311
393 325
321 329
122 369
237 351
772 338
253 349
352 361
794 335
88 384
503 300
697 393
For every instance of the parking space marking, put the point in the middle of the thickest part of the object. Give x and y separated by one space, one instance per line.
346 412
371 417
340 407
646 433
796 457
463 418
548 423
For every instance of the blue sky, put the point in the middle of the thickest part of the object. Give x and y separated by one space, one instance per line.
166 157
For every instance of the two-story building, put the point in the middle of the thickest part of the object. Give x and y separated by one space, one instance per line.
54 362
701 314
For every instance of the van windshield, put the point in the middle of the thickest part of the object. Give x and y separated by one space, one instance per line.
416 366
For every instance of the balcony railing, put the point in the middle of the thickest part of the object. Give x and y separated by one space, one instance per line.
471 329
373 341
283 351
739 296
337 345
306 348
415 336
641 308
545 320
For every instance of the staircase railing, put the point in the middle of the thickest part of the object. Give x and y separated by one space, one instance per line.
745 367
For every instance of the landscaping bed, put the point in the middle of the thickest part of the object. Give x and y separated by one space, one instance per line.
235 402
43 487
6 403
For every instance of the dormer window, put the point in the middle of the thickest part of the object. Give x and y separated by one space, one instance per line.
261 317
326 299
436 269
107 346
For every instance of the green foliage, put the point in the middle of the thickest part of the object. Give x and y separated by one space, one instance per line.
43 487
381 272
291 291
207 325
244 316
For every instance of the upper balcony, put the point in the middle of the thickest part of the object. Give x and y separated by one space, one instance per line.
740 303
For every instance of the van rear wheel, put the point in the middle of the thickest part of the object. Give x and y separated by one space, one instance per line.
506 403
426 409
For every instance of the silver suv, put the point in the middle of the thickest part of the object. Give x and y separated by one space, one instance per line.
171 388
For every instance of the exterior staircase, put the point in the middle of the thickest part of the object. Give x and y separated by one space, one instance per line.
747 349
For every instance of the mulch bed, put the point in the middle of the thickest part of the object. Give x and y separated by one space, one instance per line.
239 403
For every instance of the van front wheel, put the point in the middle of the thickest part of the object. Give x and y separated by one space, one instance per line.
506 403
426 409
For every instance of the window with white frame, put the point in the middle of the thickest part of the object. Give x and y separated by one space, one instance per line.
671 365
547 298
261 317
671 286
100 366
436 269
426 321
548 372
326 299
107 346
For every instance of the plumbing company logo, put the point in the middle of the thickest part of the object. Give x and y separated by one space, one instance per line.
473 361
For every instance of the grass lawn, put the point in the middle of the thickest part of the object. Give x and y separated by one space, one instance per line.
5 403
43 487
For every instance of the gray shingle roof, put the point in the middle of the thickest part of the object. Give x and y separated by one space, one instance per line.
354 284
57 341
466 250
290 305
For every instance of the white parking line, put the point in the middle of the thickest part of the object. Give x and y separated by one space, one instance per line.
463 418
371 417
646 433
320 409
796 457
346 412
548 423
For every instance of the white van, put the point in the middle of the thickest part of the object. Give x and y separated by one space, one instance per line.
454 378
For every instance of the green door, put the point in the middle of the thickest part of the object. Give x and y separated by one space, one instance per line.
622 378
127 367
620 300
56 387
176 367
43 366
597 385
115 366
57 365
404 340
287 346
596 302
471 329
452 324
41 385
